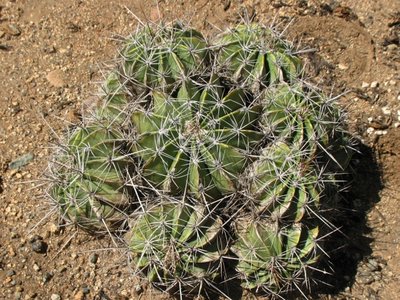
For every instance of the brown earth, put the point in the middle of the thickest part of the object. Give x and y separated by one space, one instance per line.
53 52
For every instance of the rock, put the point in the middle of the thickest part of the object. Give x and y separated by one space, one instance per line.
56 78
364 85
13 29
38 245
10 273
374 84
392 47
386 110
55 297
79 295
343 67
36 267
47 277
93 258
20 161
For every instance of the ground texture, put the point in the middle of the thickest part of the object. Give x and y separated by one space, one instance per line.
52 53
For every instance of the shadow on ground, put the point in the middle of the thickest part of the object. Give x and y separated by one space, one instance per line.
349 246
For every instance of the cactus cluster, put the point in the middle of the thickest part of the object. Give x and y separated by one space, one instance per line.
213 158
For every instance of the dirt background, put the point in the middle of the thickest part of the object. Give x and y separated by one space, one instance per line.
52 53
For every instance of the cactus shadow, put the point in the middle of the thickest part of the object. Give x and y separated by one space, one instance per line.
351 243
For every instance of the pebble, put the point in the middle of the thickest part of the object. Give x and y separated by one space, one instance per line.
47 277
13 30
343 67
21 161
386 110
370 130
364 85
36 267
392 47
55 297
93 258
56 78
381 132
374 84
38 245
79 295
10 273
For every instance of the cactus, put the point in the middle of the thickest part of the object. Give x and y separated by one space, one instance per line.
221 157
198 139
176 244
271 258
254 56
90 189
158 56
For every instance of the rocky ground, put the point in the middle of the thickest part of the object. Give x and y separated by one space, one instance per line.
53 53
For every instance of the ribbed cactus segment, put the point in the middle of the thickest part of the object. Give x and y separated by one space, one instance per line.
199 139
157 56
177 243
91 186
115 100
251 54
96 207
271 258
283 184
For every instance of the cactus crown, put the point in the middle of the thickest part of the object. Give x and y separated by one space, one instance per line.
214 157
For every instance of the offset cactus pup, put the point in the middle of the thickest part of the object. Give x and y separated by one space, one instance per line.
217 156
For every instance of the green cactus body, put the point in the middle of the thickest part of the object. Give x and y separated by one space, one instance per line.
178 243
159 56
197 140
91 190
271 258
232 160
95 207
252 54
283 184
114 99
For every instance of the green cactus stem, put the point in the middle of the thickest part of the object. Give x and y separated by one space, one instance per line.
198 140
158 56
175 243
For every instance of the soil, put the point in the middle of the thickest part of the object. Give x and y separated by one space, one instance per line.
54 53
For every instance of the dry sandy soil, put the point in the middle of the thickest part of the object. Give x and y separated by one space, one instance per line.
52 53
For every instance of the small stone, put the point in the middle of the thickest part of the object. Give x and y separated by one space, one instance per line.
47 277
396 125
13 29
364 85
79 295
10 273
56 78
392 47
55 297
17 295
36 267
93 258
343 67
386 110
381 132
86 290
370 130
20 161
374 84
38 245
392 82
